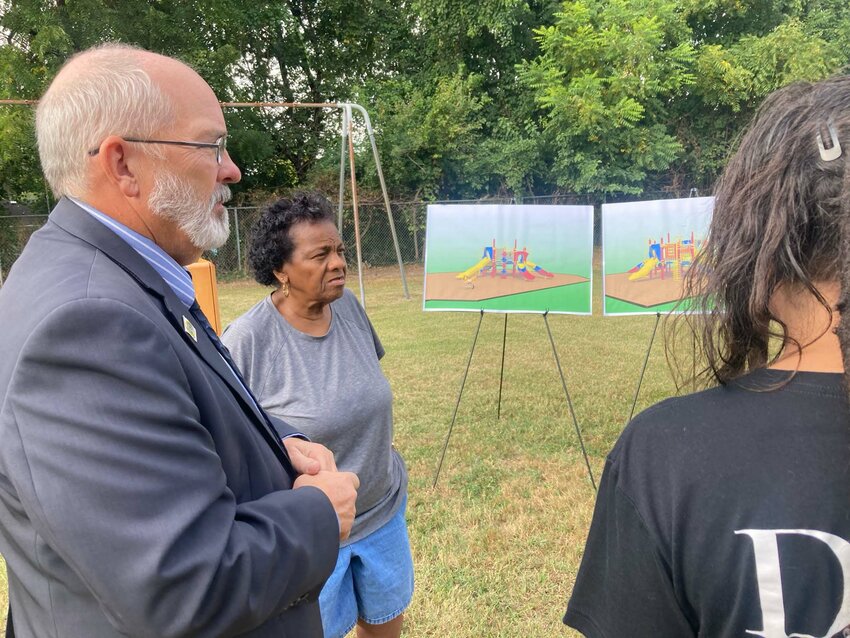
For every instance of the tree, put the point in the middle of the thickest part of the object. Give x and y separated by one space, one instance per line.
650 94
468 99
605 79
454 119
733 79
268 51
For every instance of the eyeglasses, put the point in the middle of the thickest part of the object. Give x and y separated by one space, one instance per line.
220 145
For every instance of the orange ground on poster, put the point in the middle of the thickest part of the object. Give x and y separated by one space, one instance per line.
446 286
643 292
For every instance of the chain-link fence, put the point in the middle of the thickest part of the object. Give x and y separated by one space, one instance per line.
15 231
231 259
376 237
376 241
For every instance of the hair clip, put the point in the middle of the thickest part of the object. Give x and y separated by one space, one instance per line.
834 152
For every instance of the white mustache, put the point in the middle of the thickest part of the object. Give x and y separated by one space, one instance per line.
221 194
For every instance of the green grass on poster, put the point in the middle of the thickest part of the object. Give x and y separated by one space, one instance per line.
571 298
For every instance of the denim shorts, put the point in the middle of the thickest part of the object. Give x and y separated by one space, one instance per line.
372 580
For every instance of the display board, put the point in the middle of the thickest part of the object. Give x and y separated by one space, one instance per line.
647 249
509 258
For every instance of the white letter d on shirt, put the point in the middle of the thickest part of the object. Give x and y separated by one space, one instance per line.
769 577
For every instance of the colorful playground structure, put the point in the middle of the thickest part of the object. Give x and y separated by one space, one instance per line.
498 266
670 259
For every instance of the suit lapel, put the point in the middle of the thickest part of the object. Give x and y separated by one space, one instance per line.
76 221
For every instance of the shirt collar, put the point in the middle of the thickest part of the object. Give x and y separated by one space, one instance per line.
177 277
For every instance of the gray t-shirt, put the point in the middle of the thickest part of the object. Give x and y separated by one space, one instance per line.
332 389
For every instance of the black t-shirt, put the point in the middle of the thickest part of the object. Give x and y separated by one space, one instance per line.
724 514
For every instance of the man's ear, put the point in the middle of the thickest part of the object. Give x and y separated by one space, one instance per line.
116 158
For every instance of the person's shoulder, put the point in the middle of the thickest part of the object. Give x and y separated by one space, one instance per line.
657 416
348 308
53 270
248 323
725 412
668 428
347 302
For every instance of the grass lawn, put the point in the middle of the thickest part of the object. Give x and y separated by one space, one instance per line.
497 544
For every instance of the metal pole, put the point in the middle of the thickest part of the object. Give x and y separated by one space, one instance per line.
502 370
343 138
415 233
238 240
386 196
645 362
569 401
308 105
356 211
457 403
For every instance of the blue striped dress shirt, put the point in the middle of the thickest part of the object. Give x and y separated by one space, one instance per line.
177 277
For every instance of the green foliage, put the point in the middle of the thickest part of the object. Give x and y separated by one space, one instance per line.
20 173
428 136
784 55
643 94
732 80
607 74
468 99
514 155
453 119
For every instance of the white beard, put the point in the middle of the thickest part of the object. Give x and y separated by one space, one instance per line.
175 200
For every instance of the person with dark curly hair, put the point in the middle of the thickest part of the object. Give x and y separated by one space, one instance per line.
311 356
726 513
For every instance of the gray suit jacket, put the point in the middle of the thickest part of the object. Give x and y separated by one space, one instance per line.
141 492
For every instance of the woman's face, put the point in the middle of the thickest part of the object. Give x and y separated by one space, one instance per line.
316 269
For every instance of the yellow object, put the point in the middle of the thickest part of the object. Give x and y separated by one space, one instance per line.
644 271
206 291
472 272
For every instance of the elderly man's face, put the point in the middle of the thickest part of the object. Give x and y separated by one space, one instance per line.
189 187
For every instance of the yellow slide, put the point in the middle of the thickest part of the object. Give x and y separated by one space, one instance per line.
645 269
471 273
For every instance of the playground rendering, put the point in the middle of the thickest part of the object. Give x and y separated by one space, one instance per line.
544 266
500 272
658 278
643 269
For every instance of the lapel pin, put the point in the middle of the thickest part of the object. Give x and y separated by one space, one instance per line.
190 329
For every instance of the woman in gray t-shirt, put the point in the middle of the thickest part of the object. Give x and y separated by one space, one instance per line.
311 356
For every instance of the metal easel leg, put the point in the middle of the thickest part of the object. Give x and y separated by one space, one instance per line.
502 370
645 362
457 404
569 401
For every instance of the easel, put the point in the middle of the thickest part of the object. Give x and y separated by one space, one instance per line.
501 377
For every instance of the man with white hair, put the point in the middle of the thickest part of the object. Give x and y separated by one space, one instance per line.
143 492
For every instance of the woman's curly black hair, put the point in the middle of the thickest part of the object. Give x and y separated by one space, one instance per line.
271 243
